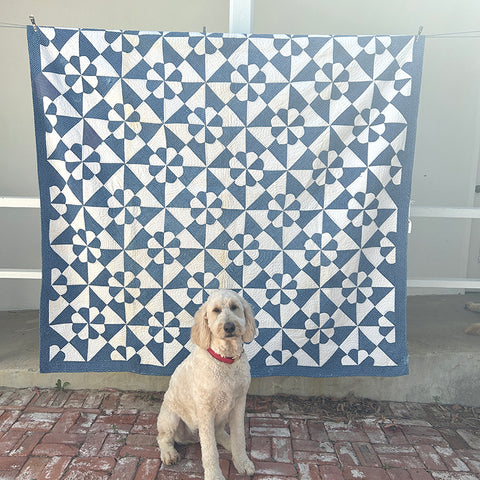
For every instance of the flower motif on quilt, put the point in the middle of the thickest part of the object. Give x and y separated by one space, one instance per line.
81 75
283 210
124 206
287 126
58 200
206 208
331 82
247 82
199 284
357 288
163 247
203 44
320 328
243 249
369 125
124 287
374 45
88 323
281 289
163 327
86 246
166 165
327 167
362 209
82 162
205 125
164 80
321 249
124 121
246 169
290 47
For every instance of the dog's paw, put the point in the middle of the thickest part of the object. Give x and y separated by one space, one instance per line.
169 456
244 466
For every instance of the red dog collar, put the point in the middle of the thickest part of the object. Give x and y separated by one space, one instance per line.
221 358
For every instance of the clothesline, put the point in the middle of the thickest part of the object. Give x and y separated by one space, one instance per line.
465 34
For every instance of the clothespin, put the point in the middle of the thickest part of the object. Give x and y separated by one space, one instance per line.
32 19
420 28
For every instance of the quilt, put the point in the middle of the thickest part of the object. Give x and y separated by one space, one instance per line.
171 164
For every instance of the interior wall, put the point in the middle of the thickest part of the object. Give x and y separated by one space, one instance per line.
448 132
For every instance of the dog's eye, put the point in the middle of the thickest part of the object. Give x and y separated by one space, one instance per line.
233 307
216 310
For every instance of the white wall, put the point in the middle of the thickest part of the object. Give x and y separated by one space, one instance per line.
448 134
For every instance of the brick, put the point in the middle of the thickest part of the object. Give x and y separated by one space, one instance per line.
125 469
29 441
268 422
394 434
368 473
146 423
75 474
32 468
55 450
17 398
7 419
138 440
400 461
299 429
193 467
395 449
60 398
419 474
317 431
112 445
66 421
261 448
92 444
346 454
54 468
83 423
97 464
430 457
330 472
148 469
110 401
453 476
36 421
76 399
93 400
366 454
472 440
423 435
45 399
75 439
312 446
144 452
315 457
271 468
398 474
451 460
307 471
282 449
453 438
373 431
12 463
270 431
341 432
10 441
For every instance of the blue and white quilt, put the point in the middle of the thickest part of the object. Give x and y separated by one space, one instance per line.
172 164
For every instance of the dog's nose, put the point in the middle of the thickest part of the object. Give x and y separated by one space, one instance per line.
229 327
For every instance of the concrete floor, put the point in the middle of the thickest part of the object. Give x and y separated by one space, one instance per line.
444 362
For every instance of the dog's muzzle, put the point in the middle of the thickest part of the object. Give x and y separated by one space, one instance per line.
229 328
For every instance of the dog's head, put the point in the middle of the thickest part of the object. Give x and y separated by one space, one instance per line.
225 315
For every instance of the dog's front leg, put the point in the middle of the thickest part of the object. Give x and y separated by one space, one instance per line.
237 437
208 444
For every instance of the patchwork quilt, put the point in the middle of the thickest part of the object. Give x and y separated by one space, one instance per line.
173 164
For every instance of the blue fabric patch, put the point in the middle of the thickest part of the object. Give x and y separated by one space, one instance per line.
172 164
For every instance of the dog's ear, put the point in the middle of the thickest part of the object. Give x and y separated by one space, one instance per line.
250 327
200 334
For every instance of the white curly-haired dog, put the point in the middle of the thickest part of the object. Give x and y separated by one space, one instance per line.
208 389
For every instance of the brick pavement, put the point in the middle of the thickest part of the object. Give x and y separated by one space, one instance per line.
72 435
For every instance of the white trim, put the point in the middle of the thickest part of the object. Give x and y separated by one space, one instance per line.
241 16
453 283
444 212
19 202
20 273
